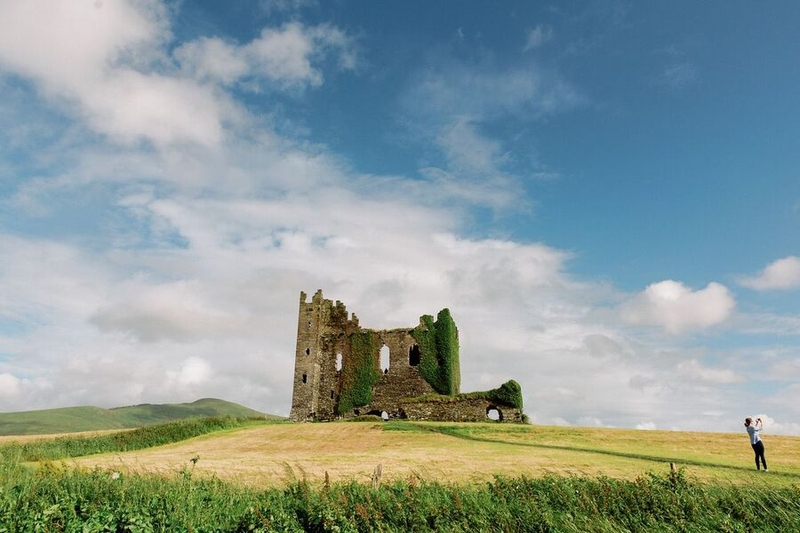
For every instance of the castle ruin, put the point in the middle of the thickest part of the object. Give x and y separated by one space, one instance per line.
343 370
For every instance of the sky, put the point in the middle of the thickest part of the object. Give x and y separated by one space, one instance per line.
606 195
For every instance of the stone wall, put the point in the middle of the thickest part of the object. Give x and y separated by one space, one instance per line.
459 410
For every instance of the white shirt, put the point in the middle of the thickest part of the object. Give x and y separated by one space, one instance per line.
752 430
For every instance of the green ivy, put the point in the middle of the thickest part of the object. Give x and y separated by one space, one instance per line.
509 393
359 373
438 346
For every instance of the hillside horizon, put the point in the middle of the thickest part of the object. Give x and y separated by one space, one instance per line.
90 418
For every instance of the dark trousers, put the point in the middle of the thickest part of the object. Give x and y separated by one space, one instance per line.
758 447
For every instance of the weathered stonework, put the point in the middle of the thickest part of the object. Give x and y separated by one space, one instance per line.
325 351
460 410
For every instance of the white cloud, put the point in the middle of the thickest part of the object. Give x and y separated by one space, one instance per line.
676 308
67 46
694 370
782 274
193 371
105 62
449 108
647 426
9 385
537 36
211 58
99 56
486 92
285 56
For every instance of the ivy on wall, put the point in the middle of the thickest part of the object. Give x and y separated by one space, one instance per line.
359 373
509 393
438 346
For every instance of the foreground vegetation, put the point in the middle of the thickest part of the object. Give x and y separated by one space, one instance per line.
46 486
52 499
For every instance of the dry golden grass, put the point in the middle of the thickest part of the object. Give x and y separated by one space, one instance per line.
31 438
278 453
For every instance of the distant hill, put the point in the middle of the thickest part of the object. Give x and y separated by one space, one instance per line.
74 419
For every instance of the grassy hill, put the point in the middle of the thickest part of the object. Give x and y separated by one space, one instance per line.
75 419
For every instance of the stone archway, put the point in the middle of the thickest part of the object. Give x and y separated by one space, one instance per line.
494 413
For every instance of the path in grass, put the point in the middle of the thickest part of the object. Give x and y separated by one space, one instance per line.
275 454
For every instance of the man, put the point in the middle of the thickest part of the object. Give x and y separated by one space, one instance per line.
755 440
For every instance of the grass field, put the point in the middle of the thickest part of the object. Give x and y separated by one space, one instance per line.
257 475
277 453
81 419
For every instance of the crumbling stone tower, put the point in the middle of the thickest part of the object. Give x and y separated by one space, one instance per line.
322 327
343 370
333 356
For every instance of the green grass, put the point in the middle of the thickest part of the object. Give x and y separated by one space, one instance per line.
59 497
52 499
121 441
75 419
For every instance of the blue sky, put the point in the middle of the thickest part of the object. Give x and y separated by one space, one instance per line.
605 194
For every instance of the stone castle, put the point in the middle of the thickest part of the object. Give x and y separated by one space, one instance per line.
343 371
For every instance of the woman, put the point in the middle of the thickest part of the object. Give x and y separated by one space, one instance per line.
755 440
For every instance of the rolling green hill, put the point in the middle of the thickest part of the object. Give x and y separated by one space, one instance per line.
74 419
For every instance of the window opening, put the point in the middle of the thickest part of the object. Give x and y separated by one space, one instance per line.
338 362
305 378
493 413
308 351
413 355
331 395
385 359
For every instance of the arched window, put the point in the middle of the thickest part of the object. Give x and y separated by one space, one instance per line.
384 359
338 362
305 378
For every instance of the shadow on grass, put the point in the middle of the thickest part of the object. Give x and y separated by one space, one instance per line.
682 461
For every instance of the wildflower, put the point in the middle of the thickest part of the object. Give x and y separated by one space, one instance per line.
115 475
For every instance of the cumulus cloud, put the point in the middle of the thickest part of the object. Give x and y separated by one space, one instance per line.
106 63
677 309
782 274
